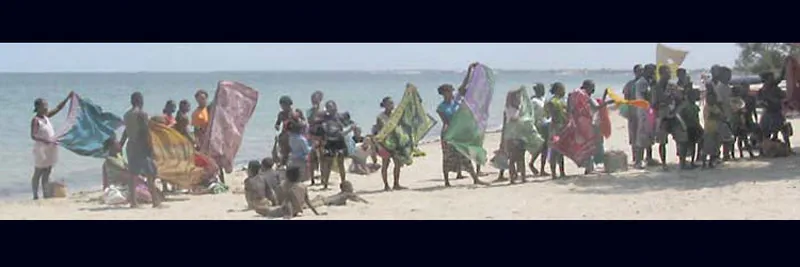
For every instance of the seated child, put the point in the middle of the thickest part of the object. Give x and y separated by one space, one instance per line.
255 187
295 197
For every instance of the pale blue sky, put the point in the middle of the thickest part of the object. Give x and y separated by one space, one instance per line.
204 57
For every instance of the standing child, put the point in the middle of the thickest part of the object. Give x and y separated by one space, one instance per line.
316 111
285 116
745 116
299 148
713 119
690 113
45 148
542 126
513 145
556 109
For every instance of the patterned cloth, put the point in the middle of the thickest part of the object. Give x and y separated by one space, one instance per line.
174 155
453 160
523 128
465 132
406 127
88 128
234 104
578 140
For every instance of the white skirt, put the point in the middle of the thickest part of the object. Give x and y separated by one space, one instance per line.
45 155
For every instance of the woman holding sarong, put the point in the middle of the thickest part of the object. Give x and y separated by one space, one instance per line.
45 148
452 160
584 113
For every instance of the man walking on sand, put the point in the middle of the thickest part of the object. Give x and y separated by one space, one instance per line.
139 150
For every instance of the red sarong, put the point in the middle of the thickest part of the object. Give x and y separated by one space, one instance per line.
578 139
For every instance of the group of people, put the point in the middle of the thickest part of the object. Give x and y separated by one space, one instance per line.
571 125
729 117
136 140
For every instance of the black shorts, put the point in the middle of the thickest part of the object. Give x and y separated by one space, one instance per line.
334 148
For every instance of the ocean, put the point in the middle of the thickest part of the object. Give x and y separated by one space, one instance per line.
358 92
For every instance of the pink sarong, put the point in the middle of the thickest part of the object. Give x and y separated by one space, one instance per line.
234 104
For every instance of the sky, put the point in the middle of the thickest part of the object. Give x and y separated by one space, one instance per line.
207 57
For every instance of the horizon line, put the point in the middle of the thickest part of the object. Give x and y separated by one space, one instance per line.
330 71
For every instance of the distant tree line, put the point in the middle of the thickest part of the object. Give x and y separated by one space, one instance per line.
755 58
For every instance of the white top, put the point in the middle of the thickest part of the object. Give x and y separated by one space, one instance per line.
45 154
46 130
538 110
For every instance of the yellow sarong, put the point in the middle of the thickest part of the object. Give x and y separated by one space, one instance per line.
174 155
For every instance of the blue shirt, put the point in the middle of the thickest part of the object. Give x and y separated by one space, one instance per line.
300 147
448 109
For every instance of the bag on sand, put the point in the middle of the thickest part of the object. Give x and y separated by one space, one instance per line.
114 196
615 161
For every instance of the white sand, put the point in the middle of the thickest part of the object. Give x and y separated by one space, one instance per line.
748 189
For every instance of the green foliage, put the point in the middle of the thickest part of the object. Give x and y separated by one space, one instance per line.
755 58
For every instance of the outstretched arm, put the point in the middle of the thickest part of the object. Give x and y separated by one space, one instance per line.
308 202
357 198
60 105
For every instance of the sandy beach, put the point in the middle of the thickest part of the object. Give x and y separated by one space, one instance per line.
746 189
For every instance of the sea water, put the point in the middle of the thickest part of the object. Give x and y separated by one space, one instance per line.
354 91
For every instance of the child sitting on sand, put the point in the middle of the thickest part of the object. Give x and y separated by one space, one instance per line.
358 164
295 197
256 192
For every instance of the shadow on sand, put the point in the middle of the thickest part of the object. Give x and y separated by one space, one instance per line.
732 173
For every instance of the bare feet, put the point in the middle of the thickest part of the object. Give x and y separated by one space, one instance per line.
387 188
479 182
399 187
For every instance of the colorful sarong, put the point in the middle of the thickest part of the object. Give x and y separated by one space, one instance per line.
174 155
87 128
578 140
407 126
234 104
465 132
524 129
